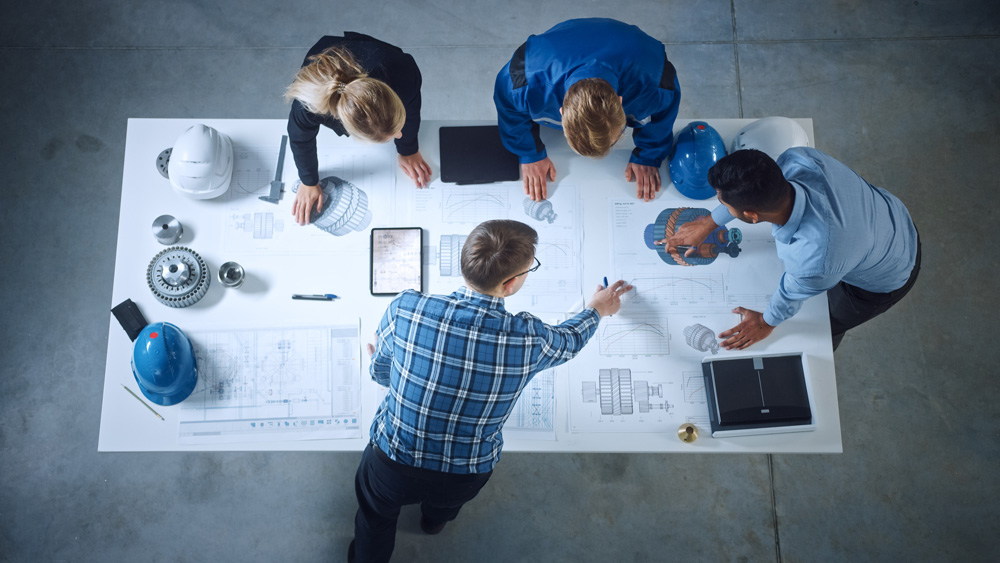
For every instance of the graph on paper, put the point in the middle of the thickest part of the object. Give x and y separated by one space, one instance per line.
704 289
253 170
473 205
634 335
556 254
693 387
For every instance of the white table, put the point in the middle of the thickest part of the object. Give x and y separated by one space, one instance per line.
264 301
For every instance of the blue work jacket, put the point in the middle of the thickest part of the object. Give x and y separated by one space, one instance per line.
531 86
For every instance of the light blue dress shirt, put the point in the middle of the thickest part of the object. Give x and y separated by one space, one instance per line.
841 229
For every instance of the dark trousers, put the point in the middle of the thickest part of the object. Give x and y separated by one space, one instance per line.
383 486
850 306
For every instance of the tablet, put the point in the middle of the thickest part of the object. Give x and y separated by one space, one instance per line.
475 155
396 260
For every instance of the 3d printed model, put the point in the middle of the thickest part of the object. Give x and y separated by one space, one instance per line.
701 338
345 207
540 210
451 254
178 277
721 241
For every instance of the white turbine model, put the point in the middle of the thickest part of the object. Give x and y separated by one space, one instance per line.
345 207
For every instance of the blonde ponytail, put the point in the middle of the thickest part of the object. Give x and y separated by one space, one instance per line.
334 84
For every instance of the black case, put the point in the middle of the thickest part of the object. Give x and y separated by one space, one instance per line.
757 392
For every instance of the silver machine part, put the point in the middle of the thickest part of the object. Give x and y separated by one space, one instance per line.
231 275
167 230
162 160
178 277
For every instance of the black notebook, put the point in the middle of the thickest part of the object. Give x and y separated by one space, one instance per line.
475 155
757 395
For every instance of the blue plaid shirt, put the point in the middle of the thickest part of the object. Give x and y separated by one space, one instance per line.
455 365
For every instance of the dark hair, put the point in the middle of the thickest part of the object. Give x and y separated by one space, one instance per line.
496 250
749 180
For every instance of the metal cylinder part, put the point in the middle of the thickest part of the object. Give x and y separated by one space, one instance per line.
167 230
231 275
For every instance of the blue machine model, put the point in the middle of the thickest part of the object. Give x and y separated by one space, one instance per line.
696 149
721 241
163 359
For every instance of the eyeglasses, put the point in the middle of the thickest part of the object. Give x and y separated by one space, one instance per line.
528 271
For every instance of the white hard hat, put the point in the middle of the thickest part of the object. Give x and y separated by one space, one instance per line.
201 163
771 135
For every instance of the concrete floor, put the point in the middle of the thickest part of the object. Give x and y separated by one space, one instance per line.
905 91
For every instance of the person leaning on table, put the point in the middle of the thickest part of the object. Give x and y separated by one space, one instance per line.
455 365
833 231
592 78
357 86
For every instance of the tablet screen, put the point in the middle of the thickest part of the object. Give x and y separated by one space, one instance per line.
396 260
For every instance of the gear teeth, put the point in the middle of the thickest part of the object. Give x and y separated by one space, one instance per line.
186 294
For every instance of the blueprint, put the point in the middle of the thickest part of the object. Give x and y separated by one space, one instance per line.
642 370
360 196
274 385
534 413
449 212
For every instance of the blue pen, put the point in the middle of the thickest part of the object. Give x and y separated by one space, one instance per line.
605 281
315 297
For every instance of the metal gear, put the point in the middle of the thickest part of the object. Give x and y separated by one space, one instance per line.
178 277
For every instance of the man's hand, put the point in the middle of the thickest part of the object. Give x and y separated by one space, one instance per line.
534 175
305 199
371 350
690 234
752 329
647 179
607 300
416 168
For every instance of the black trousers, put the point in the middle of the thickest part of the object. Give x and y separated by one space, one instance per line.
850 305
383 486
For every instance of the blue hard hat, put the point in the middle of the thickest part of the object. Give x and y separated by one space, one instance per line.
164 364
696 149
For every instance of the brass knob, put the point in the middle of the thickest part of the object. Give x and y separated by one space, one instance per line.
687 432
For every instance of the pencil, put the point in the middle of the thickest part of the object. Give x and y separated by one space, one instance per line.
137 398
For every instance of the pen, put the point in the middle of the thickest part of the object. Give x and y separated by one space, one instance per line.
605 281
315 296
130 392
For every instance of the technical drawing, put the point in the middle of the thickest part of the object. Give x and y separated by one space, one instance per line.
619 396
539 210
535 408
473 205
701 338
301 383
345 207
451 254
634 336
260 224
721 241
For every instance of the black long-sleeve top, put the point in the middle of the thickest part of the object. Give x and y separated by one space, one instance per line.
381 61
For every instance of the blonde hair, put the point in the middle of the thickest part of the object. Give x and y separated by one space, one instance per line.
334 84
593 117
